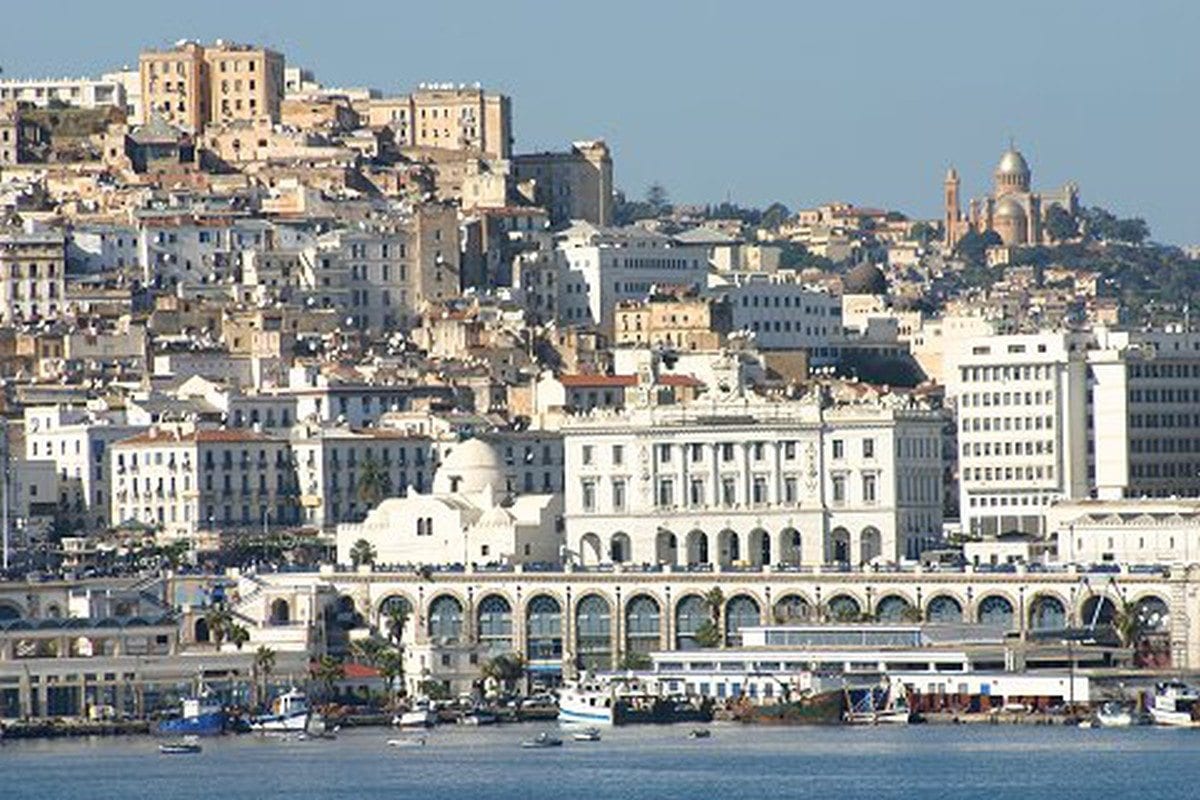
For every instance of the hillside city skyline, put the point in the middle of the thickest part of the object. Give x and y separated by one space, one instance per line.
886 144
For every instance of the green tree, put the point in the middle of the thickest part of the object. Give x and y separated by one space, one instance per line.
1126 623
658 199
505 669
972 247
362 552
775 215
708 634
219 620
922 232
634 661
238 635
264 665
327 672
434 690
374 482
1060 225
391 668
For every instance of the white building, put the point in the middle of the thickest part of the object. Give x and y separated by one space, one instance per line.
732 480
600 267
468 518
77 92
782 312
1066 416
1147 532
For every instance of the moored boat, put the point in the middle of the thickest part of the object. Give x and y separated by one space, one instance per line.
478 716
1175 704
587 735
699 733
1118 715
407 741
541 741
893 709
290 713
199 716
186 746
420 715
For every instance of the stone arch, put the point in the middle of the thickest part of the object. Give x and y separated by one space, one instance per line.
870 544
790 549
591 551
1152 632
444 622
643 624
494 624
839 546
543 628
995 609
200 631
697 547
741 611
666 547
729 547
1047 612
1097 609
943 608
793 608
691 611
9 610
281 612
345 613
385 607
620 549
894 608
54 611
843 607
593 632
758 548
1152 613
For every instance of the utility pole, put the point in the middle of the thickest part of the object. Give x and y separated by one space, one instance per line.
4 491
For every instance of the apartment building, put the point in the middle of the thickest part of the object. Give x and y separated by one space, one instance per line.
571 185
184 481
191 85
678 322
32 275
447 117
599 268
77 92
733 480
1069 415
782 312
76 440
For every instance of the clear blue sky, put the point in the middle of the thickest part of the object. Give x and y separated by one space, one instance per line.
801 102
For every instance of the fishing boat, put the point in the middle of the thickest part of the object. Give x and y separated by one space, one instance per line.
893 709
420 715
588 701
290 713
186 746
541 741
624 702
1118 715
199 716
1175 704
591 734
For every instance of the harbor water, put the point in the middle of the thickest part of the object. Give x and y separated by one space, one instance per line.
985 761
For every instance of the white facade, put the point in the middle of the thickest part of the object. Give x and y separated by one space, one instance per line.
1147 532
733 481
77 92
98 248
601 267
782 312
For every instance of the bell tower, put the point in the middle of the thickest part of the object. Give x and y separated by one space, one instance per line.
952 213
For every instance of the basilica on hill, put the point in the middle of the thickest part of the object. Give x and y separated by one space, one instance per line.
1012 210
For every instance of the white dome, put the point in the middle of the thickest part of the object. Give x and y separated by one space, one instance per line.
470 467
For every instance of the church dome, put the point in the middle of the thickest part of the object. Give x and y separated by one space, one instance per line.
470 467
1012 163
865 279
1009 208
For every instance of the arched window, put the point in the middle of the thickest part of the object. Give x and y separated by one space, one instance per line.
740 612
280 612
641 624
543 629
495 624
690 614
593 632
445 619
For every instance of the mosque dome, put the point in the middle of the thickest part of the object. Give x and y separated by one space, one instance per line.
470 467
1012 163
865 279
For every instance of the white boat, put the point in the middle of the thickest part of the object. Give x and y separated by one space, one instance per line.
421 715
478 716
893 710
186 746
588 701
587 735
414 741
542 740
1176 705
290 713
1115 715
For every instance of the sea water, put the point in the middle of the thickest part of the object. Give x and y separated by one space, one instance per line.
980 761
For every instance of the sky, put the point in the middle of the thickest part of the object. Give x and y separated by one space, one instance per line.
801 102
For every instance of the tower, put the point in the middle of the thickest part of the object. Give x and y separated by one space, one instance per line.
952 217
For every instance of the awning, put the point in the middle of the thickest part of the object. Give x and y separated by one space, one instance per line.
544 668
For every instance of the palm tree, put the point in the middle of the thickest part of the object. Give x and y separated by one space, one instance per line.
397 618
362 552
374 482
328 671
1126 624
505 669
264 665
238 635
219 620
391 669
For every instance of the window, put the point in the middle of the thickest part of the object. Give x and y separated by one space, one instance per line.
868 448
664 454
839 489
839 449
618 494
587 454
666 492
727 452
789 490
589 495
728 491
618 454
869 489
696 492
759 490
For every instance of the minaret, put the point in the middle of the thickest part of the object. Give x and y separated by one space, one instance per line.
951 223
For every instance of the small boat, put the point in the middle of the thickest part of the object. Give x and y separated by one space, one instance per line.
1115 715
588 701
182 747
542 740
1087 723
407 741
699 733
290 713
199 716
587 735
478 716
894 709
421 715
1176 705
